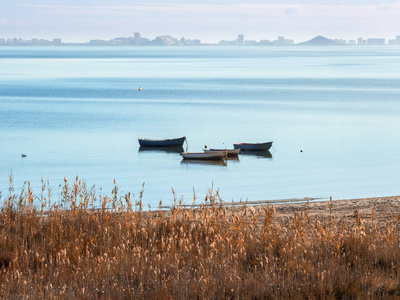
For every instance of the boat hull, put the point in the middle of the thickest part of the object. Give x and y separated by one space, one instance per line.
253 146
162 143
204 155
230 152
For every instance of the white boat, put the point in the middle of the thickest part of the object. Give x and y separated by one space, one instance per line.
230 152
205 155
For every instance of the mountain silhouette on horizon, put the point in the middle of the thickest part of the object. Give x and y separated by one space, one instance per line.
319 41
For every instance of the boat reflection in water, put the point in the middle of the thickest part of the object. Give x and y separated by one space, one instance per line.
170 149
258 154
204 162
233 159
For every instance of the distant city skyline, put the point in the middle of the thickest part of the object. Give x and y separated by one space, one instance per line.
209 21
166 40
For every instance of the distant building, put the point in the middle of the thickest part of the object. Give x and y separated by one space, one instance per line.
137 36
123 41
183 41
352 42
98 43
360 41
18 42
44 42
227 43
340 41
240 40
395 41
188 42
56 41
265 43
289 42
250 42
281 41
164 40
375 41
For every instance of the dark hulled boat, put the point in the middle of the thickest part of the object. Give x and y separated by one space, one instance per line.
162 143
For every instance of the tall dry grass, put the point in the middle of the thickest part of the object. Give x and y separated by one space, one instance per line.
107 247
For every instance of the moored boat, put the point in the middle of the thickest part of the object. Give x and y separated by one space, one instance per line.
162 143
253 146
205 155
230 152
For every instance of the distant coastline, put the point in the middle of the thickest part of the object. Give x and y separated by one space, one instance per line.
166 40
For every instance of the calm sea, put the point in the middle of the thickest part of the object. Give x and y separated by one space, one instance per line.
78 111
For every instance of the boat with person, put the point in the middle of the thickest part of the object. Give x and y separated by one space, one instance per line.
253 146
162 143
205 155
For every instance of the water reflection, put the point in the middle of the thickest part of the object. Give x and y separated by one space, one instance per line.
171 149
233 159
204 162
258 154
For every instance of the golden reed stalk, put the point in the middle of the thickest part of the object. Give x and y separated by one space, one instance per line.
90 246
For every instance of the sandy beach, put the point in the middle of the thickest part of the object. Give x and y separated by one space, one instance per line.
382 209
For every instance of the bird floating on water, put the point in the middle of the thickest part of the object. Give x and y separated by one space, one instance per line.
23 155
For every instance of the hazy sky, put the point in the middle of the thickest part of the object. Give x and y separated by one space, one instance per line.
210 21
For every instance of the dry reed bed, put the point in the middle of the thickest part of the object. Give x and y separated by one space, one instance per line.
122 252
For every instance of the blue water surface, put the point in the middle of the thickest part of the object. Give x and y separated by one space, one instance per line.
78 111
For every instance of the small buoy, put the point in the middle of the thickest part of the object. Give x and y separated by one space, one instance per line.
301 150
23 155
140 89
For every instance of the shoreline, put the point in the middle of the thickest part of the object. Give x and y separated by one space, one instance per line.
312 202
341 206
382 210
